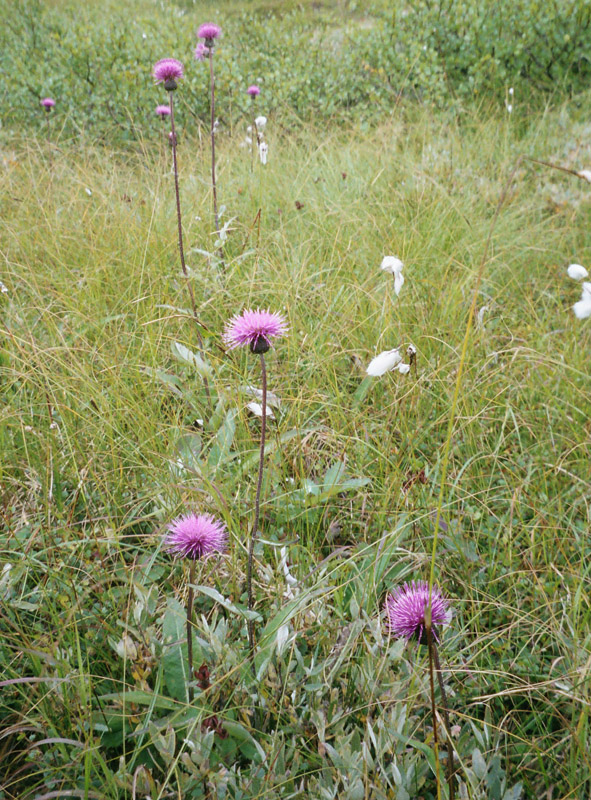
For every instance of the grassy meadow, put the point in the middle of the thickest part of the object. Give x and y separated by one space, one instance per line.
107 435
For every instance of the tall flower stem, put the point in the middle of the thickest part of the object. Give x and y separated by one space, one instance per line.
181 248
190 629
213 181
450 751
433 706
435 666
257 503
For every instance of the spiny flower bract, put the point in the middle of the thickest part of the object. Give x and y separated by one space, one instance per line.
195 536
405 611
168 69
250 327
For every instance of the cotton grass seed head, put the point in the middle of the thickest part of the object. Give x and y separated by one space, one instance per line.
168 71
195 536
255 329
384 362
577 272
394 266
585 174
582 309
405 611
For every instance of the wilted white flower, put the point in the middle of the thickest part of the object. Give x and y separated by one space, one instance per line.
394 266
282 639
126 648
257 410
384 362
577 272
582 309
263 150
404 369
260 123
585 174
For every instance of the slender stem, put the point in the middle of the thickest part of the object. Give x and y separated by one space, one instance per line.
213 183
190 629
433 708
450 751
257 503
181 248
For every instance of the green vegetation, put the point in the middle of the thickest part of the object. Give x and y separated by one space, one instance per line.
335 60
106 437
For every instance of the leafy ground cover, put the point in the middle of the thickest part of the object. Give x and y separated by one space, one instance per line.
106 436
334 60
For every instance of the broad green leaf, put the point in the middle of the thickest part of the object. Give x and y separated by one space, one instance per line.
174 650
187 356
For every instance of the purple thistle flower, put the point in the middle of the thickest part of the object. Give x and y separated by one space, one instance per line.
254 328
195 536
209 30
168 71
163 111
405 611
201 51
253 90
48 102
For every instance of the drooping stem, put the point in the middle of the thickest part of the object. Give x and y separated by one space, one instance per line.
181 248
190 629
213 182
450 751
257 503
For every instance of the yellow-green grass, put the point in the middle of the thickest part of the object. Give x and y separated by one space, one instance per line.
91 312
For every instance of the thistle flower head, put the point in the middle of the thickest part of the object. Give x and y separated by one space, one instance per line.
201 51
195 536
48 102
405 611
255 329
163 111
209 31
253 90
168 71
